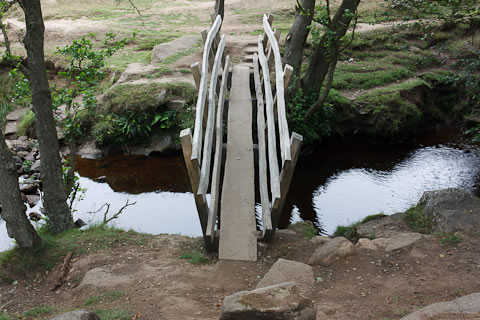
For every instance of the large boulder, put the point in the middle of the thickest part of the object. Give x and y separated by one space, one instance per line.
289 271
77 315
451 210
89 150
165 50
279 302
332 250
466 307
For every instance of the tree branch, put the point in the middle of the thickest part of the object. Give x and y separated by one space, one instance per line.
319 103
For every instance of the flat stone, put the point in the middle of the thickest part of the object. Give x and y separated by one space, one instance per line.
16 114
289 271
31 156
29 188
451 210
89 150
366 244
101 277
279 302
22 154
329 252
77 315
398 241
136 71
18 161
33 199
165 50
319 240
384 227
36 166
459 308
161 144
11 128
176 105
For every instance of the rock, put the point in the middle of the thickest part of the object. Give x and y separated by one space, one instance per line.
22 146
11 128
77 315
278 302
30 156
384 227
23 138
367 244
16 114
466 307
33 199
319 240
176 105
102 179
165 50
22 154
79 223
136 71
35 216
285 232
89 150
18 162
29 188
398 241
9 144
289 271
451 210
36 166
161 98
161 144
327 253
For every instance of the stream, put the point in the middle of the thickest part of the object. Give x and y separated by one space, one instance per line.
337 184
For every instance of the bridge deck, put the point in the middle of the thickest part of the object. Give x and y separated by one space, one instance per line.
238 224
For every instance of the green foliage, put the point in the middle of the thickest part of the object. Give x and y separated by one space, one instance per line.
83 75
349 232
450 239
318 125
27 124
20 92
107 296
195 257
451 12
417 220
474 133
346 79
39 311
113 314
305 228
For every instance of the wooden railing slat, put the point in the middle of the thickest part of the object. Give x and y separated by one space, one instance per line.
282 114
202 92
262 153
271 141
217 164
207 148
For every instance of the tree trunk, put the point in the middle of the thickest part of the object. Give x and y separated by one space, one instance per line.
297 37
51 168
320 61
13 209
220 8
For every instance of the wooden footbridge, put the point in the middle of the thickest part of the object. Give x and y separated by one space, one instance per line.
249 105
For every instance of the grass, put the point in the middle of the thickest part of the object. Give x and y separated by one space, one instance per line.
113 314
4 316
53 248
107 296
417 220
27 124
305 228
350 231
450 239
38 312
195 257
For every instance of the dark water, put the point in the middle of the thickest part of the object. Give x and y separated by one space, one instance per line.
337 184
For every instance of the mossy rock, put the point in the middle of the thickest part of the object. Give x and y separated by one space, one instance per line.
144 96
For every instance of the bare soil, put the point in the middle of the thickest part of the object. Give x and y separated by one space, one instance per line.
154 282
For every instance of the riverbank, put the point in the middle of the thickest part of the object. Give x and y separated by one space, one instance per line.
131 274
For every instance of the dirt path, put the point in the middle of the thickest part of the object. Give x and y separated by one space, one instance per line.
150 278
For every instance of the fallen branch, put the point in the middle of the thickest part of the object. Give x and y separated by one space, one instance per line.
63 271
115 216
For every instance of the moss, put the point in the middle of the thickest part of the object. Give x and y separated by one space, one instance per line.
345 78
417 220
143 97
305 228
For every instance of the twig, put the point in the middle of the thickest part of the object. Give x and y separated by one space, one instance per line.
5 304
115 216
63 271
